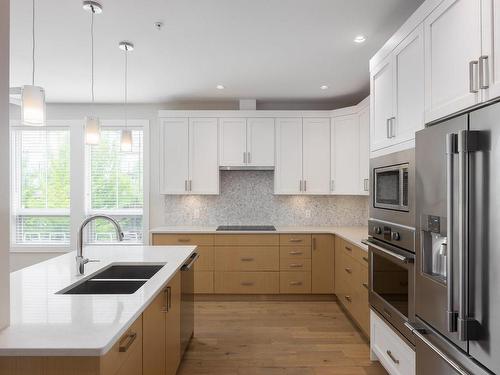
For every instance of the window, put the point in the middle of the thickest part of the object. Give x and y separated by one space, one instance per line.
115 186
41 186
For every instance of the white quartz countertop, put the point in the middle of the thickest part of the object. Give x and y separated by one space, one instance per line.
354 234
44 323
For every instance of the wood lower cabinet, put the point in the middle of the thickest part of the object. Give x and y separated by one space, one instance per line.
322 255
247 282
294 282
173 326
351 282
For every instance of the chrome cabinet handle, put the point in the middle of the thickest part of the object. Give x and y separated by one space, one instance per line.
190 185
295 283
451 150
391 356
348 248
314 243
332 185
183 240
246 283
295 252
185 185
484 72
472 77
300 185
348 270
305 185
365 285
295 240
365 259
249 158
365 182
387 126
244 157
348 298
296 265
247 259
392 127
127 342
166 293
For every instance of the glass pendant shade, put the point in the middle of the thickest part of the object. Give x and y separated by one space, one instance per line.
92 130
33 105
126 141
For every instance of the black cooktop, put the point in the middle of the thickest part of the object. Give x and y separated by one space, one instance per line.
254 228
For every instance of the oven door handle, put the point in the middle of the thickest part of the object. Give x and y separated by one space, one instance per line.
192 259
400 258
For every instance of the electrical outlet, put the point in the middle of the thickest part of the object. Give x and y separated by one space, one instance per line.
196 213
308 214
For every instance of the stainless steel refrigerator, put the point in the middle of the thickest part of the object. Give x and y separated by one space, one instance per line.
457 275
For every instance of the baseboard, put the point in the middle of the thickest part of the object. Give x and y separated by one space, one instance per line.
265 297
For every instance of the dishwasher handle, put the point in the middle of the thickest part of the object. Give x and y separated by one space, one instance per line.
187 266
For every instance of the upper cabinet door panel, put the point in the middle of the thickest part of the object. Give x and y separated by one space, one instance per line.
233 141
174 139
410 95
490 62
316 155
288 171
382 104
203 161
345 155
364 150
260 142
452 50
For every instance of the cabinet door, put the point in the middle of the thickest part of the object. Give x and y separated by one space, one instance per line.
173 326
381 103
452 42
288 171
154 336
345 155
203 156
174 138
409 80
260 142
490 61
364 151
316 155
233 141
322 264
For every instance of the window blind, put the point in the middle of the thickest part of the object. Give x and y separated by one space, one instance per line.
41 167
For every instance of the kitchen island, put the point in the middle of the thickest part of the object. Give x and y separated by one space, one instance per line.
90 333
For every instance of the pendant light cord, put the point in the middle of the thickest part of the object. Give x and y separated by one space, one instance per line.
92 52
33 44
126 87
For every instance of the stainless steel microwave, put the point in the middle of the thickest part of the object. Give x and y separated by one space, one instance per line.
392 188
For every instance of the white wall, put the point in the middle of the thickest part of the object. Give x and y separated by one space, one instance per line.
4 163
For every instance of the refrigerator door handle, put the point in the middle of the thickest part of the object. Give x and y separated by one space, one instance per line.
451 150
420 333
462 236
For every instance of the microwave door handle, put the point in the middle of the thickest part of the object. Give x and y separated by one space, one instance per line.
451 150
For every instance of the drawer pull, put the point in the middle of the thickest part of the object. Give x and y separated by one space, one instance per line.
348 270
295 240
365 285
295 253
348 248
365 259
183 240
247 283
295 283
127 342
391 356
348 298
296 265
247 259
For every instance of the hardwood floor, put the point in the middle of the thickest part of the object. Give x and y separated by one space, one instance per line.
276 338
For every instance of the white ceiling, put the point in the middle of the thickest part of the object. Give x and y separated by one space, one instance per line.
263 49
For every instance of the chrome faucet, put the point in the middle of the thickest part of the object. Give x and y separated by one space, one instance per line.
80 260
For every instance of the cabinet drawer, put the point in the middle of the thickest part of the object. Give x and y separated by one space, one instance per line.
183 239
128 343
295 264
247 282
295 239
247 239
204 282
394 354
247 258
295 282
347 247
295 252
360 255
206 260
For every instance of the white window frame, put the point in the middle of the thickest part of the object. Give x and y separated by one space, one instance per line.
78 181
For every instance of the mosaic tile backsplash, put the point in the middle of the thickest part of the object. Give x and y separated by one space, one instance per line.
246 197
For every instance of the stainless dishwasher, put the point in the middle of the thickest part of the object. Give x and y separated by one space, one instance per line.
187 302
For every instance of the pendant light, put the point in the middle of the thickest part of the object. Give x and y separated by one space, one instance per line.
92 126
126 136
33 97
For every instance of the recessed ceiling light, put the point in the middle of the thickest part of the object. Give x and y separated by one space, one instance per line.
324 87
360 39
220 87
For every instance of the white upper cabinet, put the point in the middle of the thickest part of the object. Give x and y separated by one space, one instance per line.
382 104
174 145
260 142
233 141
246 142
203 156
452 51
364 151
345 155
489 63
288 171
409 87
189 156
316 156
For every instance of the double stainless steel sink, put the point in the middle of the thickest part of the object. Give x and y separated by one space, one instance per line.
116 279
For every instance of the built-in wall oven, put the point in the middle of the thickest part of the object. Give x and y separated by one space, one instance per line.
392 274
392 189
